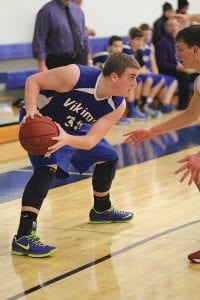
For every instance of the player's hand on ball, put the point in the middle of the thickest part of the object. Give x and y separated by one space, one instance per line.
136 136
61 140
31 114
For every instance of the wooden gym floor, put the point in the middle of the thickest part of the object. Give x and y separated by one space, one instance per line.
144 259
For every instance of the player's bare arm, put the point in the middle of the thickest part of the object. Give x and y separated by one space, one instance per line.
61 79
183 119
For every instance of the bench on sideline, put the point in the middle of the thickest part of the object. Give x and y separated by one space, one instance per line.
16 78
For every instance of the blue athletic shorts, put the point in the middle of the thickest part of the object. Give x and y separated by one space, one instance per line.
157 77
82 160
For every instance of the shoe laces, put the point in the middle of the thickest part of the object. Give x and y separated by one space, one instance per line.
35 239
117 211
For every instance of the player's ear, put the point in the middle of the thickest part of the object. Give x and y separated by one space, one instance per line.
114 76
196 50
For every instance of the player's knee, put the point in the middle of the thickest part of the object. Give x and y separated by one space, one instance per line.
103 175
38 186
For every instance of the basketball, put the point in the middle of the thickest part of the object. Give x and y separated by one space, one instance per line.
35 134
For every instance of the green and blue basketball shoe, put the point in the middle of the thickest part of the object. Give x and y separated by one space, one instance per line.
111 215
31 245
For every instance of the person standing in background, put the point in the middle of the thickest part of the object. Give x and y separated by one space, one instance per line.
90 31
183 6
170 65
159 24
60 36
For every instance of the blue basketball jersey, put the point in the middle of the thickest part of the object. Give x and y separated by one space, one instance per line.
146 52
79 106
76 111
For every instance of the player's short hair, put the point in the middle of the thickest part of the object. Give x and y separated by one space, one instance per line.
145 27
189 35
135 32
167 6
118 63
114 38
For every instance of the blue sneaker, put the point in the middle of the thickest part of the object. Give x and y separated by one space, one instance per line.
31 245
166 108
136 113
151 112
111 215
123 121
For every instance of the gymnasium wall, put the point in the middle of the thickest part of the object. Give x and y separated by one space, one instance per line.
107 17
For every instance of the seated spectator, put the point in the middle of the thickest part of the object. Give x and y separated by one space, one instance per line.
148 58
115 45
168 64
151 83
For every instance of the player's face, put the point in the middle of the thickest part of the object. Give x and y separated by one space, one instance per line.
172 27
187 56
116 47
126 82
136 43
147 35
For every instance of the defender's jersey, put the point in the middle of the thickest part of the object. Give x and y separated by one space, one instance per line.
79 106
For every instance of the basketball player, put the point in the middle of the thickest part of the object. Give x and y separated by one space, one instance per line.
188 52
86 103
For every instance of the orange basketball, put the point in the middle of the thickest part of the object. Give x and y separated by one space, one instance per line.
35 134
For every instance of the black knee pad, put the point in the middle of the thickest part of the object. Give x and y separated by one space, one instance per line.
103 175
38 186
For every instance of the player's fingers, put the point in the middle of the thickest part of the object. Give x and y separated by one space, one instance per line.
128 133
131 139
54 138
135 144
197 178
193 175
128 140
59 127
183 159
37 113
181 169
184 175
53 148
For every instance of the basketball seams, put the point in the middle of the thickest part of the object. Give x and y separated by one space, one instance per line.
35 135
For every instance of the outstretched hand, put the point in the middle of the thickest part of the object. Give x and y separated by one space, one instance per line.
191 168
136 136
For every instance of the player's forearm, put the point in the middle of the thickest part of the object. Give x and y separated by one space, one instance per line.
31 92
42 65
194 18
81 142
181 120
